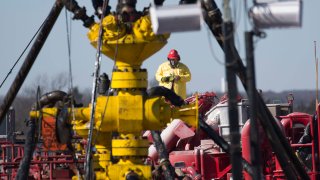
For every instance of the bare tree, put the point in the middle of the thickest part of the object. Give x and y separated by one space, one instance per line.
58 82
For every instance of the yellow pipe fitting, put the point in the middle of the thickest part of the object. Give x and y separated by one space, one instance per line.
81 130
129 111
142 29
101 161
99 175
130 147
129 80
45 112
131 49
120 170
126 113
188 114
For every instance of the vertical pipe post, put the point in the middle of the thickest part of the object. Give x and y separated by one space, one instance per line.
254 126
235 149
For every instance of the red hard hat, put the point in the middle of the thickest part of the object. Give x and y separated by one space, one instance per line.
173 54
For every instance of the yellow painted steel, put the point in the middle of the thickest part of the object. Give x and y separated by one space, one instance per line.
131 48
102 157
46 112
126 113
130 145
130 111
120 170
129 79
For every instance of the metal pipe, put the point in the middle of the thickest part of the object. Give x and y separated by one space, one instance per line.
30 144
235 147
79 13
289 162
30 59
88 164
254 126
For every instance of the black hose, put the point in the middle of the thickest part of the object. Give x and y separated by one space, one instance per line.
165 164
30 144
223 144
167 93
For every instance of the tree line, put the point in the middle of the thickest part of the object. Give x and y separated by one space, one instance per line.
304 100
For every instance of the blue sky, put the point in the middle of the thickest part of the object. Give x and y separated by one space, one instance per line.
284 60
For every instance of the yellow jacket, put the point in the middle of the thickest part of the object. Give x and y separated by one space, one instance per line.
179 86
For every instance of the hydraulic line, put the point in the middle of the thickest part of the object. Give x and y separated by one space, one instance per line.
289 162
30 144
223 144
165 164
30 59
167 93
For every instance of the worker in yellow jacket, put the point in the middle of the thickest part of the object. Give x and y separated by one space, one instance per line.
173 74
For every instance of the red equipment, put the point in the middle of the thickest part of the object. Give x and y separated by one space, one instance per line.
198 157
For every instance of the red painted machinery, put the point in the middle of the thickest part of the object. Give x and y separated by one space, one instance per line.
50 159
195 156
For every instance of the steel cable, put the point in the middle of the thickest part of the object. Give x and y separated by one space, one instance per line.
25 49
88 167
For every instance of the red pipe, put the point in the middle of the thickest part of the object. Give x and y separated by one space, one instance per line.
196 159
297 117
314 165
202 164
265 147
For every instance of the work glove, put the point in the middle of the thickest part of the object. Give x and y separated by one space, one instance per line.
165 79
171 78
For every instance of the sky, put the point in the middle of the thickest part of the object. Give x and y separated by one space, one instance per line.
284 59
